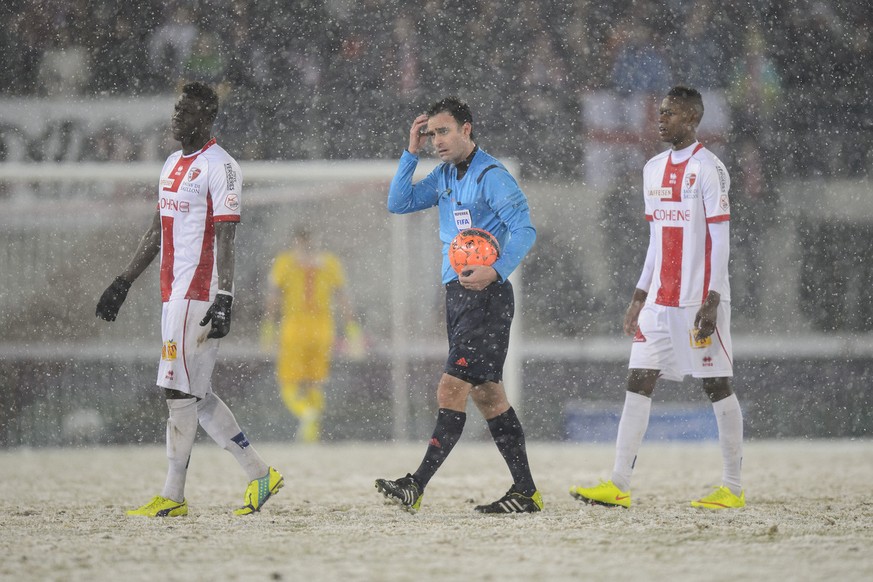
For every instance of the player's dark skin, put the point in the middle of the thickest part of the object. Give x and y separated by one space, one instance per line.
677 125
191 125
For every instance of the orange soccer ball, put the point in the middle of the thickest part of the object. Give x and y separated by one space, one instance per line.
473 246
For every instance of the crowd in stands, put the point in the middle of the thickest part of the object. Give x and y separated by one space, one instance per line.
342 78
338 79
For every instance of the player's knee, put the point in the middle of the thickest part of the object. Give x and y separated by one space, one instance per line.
171 394
491 401
642 381
717 388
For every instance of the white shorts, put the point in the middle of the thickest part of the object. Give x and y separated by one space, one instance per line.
665 343
187 357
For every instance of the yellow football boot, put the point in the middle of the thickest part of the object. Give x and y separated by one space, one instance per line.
604 494
259 491
721 498
161 507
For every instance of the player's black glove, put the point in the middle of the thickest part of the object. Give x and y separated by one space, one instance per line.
219 314
111 300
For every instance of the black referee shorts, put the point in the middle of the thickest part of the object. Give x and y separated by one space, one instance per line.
478 324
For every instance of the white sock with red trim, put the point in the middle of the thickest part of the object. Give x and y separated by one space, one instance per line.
631 430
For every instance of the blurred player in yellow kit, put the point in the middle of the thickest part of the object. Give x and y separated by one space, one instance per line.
306 285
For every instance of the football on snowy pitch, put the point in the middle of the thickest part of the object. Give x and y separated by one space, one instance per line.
473 246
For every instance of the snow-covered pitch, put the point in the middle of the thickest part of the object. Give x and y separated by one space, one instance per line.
809 516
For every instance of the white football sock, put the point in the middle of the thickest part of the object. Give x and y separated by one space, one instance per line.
631 430
729 418
181 430
219 423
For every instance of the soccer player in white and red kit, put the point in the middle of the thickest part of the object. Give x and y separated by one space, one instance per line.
680 311
193 231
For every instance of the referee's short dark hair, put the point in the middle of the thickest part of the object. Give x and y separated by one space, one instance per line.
205 94
454 107
690 96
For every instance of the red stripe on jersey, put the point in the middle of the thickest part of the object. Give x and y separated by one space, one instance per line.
178 173
202 280
672 237
180 170
168 254
674 175
226 218
671 266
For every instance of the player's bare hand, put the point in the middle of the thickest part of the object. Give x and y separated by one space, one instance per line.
631 319
477 277
418 134
632 314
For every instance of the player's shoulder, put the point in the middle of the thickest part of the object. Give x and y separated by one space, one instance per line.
174 157
705 155
658 158
488 169
216 153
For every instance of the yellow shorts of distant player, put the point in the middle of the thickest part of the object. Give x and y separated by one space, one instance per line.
304 351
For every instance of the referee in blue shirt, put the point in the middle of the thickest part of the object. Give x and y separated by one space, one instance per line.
472 190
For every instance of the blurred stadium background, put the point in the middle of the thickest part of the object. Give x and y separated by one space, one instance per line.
317 100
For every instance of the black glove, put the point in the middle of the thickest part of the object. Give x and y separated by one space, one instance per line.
219 313
111 300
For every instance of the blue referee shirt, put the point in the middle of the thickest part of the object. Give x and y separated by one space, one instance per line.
486 197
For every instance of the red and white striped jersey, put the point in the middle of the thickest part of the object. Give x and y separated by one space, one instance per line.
194 193
684 193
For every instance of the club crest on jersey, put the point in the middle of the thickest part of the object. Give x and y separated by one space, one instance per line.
168 351
192 175
690 179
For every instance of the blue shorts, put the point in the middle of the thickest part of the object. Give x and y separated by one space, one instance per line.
478 325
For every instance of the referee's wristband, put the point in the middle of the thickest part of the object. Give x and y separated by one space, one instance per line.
220 292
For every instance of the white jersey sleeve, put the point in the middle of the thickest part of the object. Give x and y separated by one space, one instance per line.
225 187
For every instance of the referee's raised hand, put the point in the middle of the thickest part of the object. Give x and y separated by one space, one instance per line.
418 134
